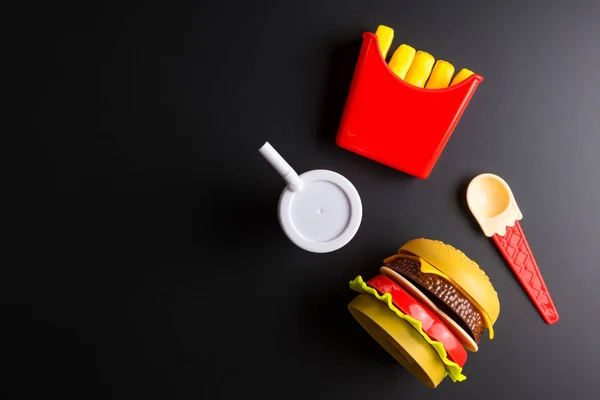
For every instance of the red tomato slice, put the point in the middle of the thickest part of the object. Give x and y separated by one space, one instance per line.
432 325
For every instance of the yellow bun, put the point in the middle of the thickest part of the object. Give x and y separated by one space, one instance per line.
399 339
463 272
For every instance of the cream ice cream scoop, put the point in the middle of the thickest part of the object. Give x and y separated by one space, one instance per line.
493 205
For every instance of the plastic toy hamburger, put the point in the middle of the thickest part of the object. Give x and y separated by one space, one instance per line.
430 304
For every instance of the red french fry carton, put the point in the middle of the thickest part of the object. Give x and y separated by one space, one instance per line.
395 123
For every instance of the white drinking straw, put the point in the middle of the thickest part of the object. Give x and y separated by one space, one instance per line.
284 169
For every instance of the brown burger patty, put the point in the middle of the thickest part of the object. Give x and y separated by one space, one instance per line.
443 291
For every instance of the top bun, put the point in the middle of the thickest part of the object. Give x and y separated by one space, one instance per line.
463 271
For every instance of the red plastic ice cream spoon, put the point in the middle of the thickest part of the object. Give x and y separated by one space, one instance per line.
494 207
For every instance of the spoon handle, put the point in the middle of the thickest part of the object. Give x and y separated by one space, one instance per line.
516 251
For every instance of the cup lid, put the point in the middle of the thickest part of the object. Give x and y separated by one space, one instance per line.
324 215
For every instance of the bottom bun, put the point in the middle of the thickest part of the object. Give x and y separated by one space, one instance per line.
399 339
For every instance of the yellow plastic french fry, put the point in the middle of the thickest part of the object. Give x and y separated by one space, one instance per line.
401 60
441 75
461 76
420 69
385 35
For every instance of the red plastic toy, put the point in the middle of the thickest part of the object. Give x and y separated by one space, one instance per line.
493 205
395 123
516 251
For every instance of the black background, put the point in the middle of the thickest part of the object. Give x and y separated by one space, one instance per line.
143 254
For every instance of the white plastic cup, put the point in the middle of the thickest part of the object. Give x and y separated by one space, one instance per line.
320 211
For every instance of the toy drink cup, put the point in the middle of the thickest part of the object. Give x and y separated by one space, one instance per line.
319 211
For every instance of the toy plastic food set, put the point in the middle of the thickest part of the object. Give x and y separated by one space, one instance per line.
402 114
320 210
493 205
430 303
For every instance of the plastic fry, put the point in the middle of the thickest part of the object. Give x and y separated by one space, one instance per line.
461 76
420 69
385 36
441 75
401 60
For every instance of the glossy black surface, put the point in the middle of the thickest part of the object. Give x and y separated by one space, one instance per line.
144 258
